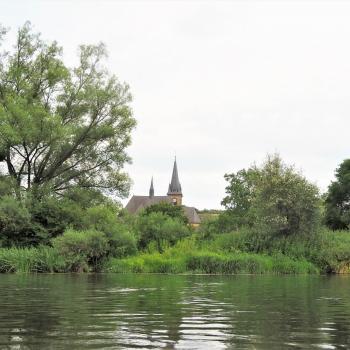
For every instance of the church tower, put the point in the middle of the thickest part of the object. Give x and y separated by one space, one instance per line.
174 191
151 189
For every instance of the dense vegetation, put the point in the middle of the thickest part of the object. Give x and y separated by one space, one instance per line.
278 230
63 138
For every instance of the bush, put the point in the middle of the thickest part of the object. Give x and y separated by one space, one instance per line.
15 225
54 215
121 238
82 249
160 228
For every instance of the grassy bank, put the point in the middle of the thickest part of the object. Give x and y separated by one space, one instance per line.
212 263
48 260
232 253
326 252
26 260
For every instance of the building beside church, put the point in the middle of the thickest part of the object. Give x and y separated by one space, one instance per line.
174 196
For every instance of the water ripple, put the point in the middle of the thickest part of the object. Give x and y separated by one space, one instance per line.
173 312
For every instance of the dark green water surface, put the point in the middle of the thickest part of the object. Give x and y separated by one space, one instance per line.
174 312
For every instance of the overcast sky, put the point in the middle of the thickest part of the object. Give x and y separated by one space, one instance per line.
221 84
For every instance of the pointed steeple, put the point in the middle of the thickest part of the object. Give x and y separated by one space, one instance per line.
175 186
151 189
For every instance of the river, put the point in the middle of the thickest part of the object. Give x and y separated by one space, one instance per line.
111 311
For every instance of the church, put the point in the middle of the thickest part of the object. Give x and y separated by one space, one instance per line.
174 196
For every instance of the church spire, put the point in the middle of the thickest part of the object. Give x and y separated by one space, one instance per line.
151 189
175 186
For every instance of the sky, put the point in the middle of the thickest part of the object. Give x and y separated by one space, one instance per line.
221 84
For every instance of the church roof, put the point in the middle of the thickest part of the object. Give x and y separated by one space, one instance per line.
175 186
138 203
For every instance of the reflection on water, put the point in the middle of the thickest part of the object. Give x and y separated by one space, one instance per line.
174 312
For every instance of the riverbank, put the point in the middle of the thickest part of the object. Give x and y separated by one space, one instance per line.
47 260
212 263
328 252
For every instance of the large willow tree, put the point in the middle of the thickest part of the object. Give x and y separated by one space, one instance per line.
61 128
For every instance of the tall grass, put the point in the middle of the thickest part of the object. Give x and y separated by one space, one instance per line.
332 251
211 263
326 252
25 260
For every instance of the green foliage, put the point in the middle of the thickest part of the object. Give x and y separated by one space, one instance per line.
87 198
328 250
173 211
331 251
82 249
121 238
230 253
7 186
25 260
150 263
241 194
159 228
36 221
62 128
273 200
226 221
212 263
63 136
54 215
15 226
48 259
337 213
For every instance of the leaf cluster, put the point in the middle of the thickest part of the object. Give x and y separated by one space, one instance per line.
62 128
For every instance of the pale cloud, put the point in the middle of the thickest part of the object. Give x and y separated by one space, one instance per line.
218 83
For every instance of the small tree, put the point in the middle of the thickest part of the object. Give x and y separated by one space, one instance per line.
286 202
274 199
82 249
337 213
158 227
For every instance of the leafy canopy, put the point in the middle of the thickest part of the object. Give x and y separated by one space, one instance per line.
61 128
337 213
273 198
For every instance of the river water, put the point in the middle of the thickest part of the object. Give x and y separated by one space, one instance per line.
111 311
